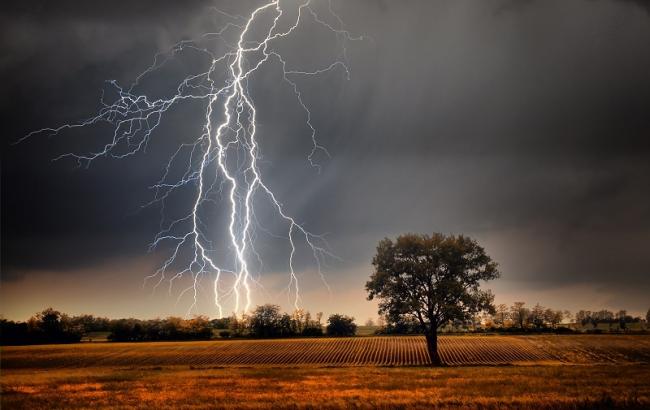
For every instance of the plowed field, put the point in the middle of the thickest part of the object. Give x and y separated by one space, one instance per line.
321 352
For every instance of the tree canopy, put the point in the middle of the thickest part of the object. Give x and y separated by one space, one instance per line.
432 278
341 325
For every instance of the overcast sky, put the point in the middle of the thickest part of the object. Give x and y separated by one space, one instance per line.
524 124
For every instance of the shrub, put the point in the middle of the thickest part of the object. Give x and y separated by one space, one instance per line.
341 325
312 331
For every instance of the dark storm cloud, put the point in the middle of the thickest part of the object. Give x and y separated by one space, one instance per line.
523 123
519 122
639 3
56 58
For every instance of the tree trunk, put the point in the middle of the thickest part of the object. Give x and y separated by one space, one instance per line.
432 347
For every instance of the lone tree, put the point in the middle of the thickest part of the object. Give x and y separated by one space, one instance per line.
432 279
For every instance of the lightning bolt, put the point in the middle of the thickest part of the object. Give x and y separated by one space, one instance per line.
221 164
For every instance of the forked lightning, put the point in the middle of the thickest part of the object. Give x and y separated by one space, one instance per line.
221 164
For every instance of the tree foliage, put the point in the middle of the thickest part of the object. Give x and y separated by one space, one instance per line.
171 328
519 314
341 325
266 321
48 326
434 279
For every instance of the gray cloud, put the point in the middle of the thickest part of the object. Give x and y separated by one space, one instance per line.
523 123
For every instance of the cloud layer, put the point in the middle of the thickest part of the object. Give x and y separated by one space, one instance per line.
523 124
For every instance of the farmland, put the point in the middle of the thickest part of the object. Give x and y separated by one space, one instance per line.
362 351
490 372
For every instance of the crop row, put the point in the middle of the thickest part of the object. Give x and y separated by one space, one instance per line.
378 351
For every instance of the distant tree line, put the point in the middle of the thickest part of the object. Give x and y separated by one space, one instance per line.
171 328
520 318
266 321
620 318
52 326
48 326
515 317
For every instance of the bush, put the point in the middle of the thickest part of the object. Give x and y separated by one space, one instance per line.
564 330
12 333
199 327
401 325
222 323
312 331
341 325
224 334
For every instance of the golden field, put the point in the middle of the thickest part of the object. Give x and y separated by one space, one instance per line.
590 371
359 351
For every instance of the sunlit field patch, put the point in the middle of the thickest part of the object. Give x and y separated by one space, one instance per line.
531 387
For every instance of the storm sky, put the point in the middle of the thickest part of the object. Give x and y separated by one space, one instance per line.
524 124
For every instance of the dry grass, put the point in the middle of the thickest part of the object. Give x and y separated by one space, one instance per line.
604 372
531 387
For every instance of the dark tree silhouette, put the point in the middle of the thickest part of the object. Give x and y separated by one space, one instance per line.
265 321
434 279
341 325
519 314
